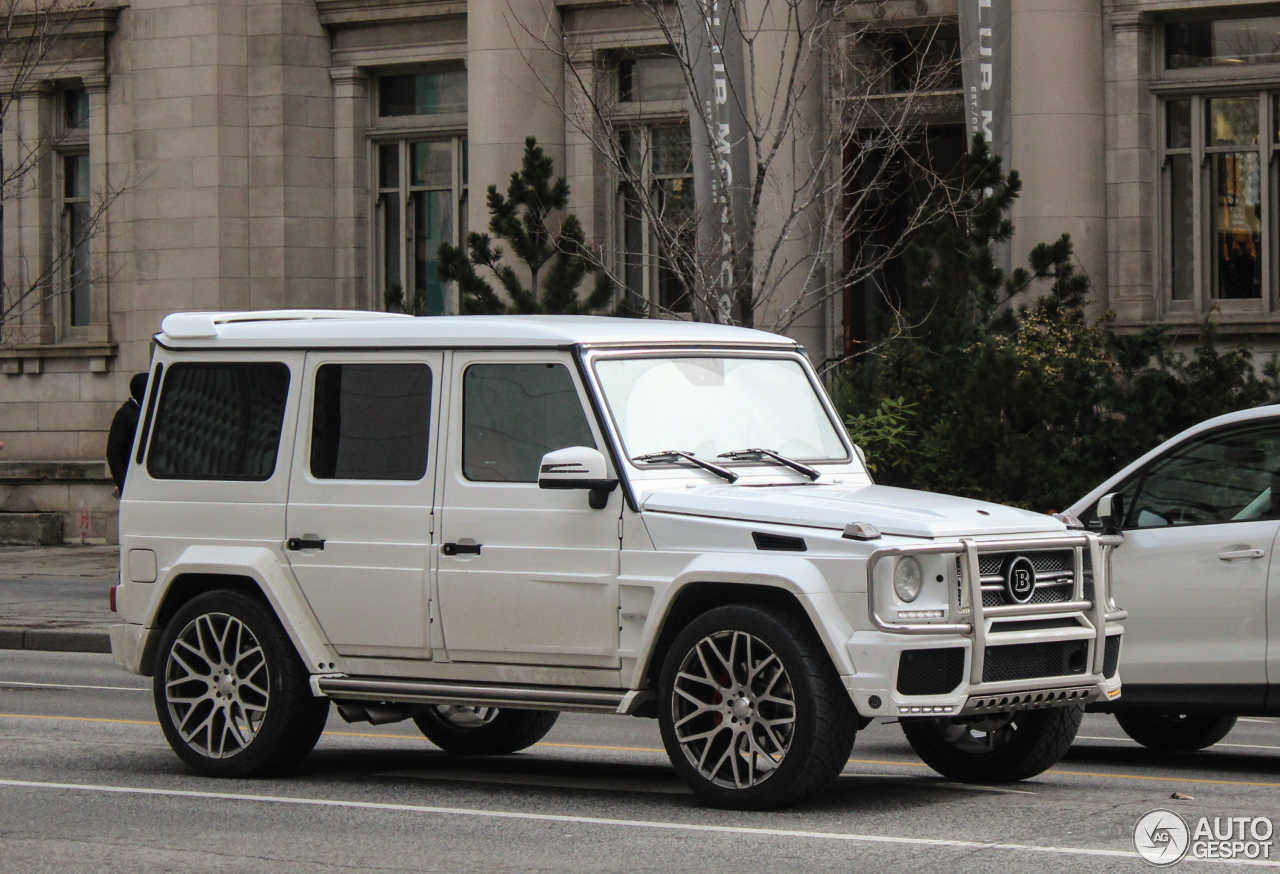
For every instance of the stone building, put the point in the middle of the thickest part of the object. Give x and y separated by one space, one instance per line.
254 154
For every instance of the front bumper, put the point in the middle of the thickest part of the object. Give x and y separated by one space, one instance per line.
993 658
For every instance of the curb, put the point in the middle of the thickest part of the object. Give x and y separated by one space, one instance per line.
55 639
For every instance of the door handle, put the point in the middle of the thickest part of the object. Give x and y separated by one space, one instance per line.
297 543
1236 554
460 548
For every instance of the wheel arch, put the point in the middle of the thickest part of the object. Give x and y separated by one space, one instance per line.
801 591
253 572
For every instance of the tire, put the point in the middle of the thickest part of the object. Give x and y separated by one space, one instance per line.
1176 732
996 748
752 712
232 695
484 731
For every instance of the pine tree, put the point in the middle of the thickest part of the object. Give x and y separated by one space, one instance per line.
555 256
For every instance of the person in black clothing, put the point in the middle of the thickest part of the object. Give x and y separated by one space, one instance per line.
120 440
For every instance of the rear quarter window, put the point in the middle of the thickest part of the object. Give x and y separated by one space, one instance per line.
219 421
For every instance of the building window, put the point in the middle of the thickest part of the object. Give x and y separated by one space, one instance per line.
429 93
1222 42
642 79
1218 193
75 225
421 203
75 237
659 159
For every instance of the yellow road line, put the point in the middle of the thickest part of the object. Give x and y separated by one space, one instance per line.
1146 777
77 719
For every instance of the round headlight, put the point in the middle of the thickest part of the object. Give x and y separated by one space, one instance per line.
907 578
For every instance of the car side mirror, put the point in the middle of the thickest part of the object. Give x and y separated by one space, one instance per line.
1111 512
578 467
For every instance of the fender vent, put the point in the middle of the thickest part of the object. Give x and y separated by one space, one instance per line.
779 542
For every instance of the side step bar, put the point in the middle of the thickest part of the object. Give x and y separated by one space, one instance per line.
620 701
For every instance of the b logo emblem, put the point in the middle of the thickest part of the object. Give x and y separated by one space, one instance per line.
1019 579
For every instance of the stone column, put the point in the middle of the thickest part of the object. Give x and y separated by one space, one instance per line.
1058 130
515 89
99 205
350 188
1131 153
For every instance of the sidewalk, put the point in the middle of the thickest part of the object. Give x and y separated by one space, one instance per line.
55 598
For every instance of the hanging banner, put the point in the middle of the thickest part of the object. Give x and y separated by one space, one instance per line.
717 124
986 65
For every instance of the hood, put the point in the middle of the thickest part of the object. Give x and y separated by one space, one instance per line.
894 511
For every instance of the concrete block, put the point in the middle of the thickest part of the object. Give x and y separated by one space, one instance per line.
30 529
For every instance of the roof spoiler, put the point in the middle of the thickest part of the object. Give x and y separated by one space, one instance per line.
203 326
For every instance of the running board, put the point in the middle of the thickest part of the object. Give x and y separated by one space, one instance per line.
620 701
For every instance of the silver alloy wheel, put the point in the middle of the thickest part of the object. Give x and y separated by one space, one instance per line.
985 734
466 716
216 685
733 709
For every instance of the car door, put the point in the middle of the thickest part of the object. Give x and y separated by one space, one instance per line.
526 575
360 498
1193 569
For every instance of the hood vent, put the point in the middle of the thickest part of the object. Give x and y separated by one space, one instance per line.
779 542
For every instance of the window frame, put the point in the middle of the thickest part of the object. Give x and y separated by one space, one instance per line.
403 131
153 422
637 117
72 143
584 403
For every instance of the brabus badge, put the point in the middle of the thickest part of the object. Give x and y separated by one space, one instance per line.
1019 579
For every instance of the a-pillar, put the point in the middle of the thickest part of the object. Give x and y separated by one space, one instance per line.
515 89
1059 112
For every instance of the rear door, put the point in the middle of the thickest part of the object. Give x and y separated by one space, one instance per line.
360 498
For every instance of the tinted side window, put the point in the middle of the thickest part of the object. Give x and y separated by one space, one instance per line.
513 414
371 421
1224 477
219 421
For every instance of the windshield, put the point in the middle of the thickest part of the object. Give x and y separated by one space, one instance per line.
707 406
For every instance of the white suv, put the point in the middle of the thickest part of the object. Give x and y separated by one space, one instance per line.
1201 521
476 523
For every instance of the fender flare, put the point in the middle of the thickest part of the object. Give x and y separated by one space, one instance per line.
796 576
277 584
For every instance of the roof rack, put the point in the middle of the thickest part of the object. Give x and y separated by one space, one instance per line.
194 326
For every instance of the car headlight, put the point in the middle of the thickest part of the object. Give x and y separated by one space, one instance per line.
907 578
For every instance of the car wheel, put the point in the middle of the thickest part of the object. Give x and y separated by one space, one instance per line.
232 695
752 713
1176 732
995 747
484 731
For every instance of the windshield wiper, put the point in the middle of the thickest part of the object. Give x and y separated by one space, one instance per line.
739 454
676 454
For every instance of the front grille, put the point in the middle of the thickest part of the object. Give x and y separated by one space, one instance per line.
1055 571
1111 657
1023 661
930 671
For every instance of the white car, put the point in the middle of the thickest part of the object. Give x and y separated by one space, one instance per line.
477 523
1200 517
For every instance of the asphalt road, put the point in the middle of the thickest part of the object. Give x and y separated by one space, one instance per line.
88 784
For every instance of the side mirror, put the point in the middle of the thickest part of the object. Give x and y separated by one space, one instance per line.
1111 512
578 467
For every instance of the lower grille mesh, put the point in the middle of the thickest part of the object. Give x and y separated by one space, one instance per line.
930 671
1023 661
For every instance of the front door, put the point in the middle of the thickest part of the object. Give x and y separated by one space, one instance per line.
1193 568
526 575
360 498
